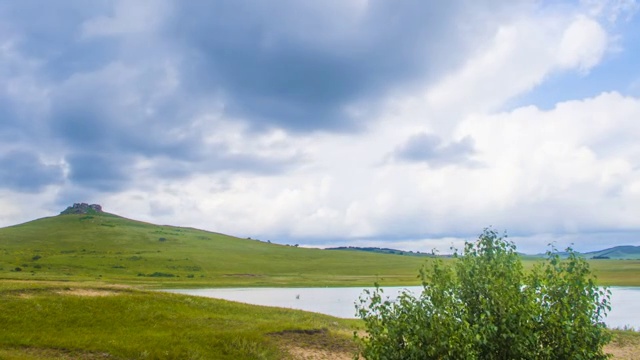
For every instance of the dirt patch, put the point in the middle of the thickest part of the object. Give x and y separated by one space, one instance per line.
623 352
29 293
299 353
624 346
87 292
315 344
21 294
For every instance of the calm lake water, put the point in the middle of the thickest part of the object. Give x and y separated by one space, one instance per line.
340 302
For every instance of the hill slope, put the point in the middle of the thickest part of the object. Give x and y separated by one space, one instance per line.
110 248
618 252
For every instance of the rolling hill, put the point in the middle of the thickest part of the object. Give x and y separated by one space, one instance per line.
109 248
622 252
626 252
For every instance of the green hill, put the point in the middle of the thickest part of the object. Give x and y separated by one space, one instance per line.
103 247
623 252
617 253
109 248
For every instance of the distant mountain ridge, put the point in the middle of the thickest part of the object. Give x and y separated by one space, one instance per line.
379 250
622 252
617 252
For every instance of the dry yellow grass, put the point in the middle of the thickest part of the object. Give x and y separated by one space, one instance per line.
625 345
321 346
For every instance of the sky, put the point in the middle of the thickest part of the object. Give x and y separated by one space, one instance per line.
406 124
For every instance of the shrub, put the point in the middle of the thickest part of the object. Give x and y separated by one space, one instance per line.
483 306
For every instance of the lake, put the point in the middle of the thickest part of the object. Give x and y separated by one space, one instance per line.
340 302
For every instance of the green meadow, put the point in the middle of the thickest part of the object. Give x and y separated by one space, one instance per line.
113 249
53 320
82 287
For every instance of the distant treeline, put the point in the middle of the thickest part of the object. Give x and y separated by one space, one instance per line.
625 252
380 250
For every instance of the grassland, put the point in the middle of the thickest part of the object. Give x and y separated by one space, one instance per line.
117 250
53 320
89 320
78 287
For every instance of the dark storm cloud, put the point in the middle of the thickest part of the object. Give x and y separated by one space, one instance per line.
224 161
50 31
431 149
122 109
299 64
102 172
114 97
93 115
24 171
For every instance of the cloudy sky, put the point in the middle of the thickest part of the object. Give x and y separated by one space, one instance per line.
409 124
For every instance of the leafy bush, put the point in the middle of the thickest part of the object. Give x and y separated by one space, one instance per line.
483 306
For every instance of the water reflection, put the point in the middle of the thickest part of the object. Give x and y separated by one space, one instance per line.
340 302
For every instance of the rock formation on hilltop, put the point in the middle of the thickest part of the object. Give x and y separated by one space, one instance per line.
82 208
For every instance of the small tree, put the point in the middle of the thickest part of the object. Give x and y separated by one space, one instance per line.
484 306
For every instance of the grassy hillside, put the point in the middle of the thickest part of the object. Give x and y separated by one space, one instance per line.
108 248
616 253
118 250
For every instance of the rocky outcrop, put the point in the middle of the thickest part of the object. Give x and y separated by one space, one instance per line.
82 208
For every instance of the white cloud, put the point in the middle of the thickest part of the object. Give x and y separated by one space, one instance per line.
546 171
582 45
521 55
19 207
561 175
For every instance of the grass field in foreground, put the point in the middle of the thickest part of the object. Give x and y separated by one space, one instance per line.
49 320
112 249
64 320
